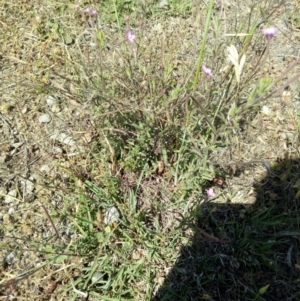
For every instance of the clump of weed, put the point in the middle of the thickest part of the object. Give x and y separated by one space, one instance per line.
158 122
160 108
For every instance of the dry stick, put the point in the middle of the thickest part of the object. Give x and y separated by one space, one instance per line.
22 115
212 238
51 221
289 68
13 282
271 13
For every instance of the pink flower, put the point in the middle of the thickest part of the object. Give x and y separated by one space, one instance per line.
269 32
127 18
207 71
210 193
130 37
90 11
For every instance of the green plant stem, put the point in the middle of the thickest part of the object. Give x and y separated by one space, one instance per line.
117 16
200 58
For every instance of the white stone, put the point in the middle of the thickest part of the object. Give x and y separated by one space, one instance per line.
28 185
45 118
266 110
51 101
111 215
10 197
96 277
11 210
10 258
64 138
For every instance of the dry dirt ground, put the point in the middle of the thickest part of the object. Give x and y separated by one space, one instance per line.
30 150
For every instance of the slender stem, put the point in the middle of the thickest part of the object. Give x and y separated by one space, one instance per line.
116 13
51 221
204 114
200 58
264 96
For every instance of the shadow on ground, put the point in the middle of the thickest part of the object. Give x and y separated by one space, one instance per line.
243 252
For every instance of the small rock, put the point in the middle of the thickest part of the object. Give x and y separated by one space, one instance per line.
5 107
11 210
136 255
64 138
45 168
28 185
163 4
10 258
111 215
55 109
96 277
266 110
51 101
58 151
10 197
45 118
24 110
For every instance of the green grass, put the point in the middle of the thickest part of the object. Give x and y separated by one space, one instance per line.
158 125
260 257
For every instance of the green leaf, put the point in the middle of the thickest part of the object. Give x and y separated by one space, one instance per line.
61 258
264 289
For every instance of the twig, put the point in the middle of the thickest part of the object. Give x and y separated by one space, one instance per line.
51 221
212 238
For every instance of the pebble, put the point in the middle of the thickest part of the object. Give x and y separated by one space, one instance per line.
11 210
96 277
51 101
64 138
45 168
10 197
10 258
111 215
53 104
45 118
28 185
266 110
57 150
163 4
55 109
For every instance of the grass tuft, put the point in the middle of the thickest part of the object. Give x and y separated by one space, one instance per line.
142 205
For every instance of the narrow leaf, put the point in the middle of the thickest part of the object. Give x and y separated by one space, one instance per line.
264 289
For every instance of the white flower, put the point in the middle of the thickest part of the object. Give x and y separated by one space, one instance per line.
234 58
